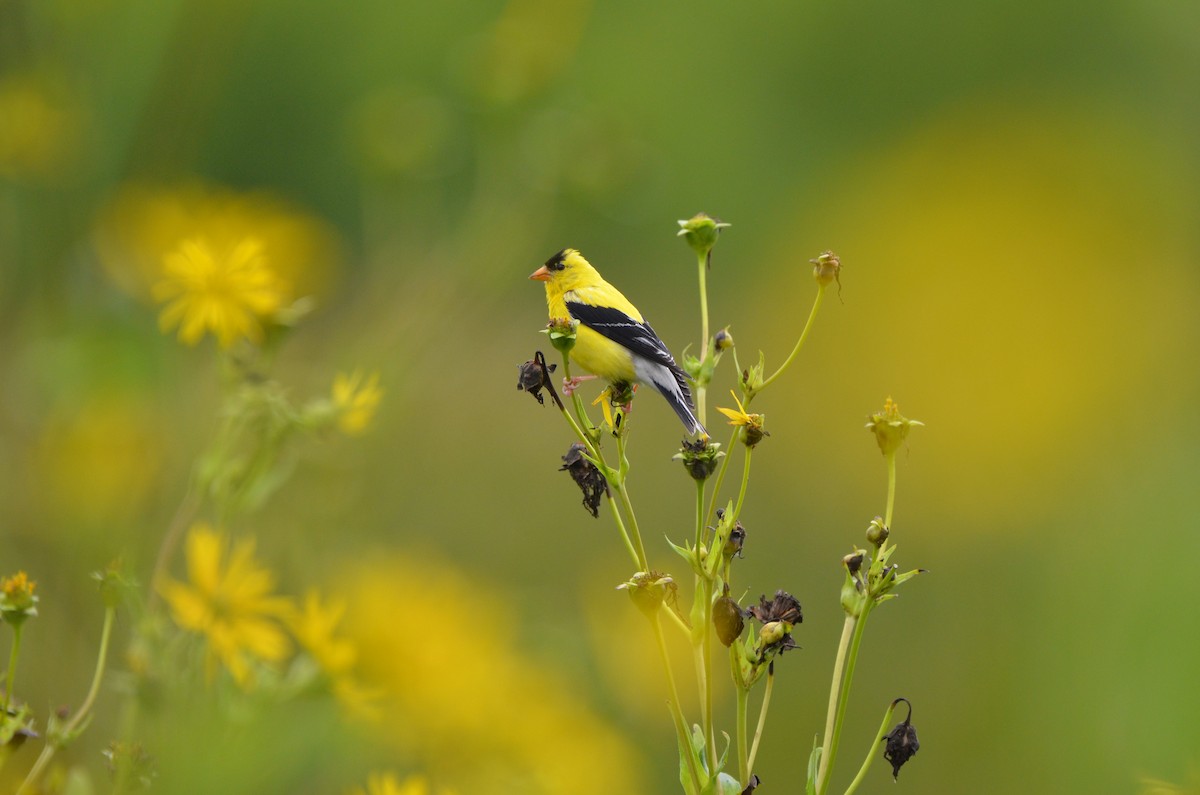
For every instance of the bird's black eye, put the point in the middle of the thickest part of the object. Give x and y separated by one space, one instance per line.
558 261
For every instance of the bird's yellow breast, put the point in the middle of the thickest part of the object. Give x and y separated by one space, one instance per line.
594 352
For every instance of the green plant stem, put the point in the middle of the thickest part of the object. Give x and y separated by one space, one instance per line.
871 752
681 731
702 386
704 659
891 496
699 514
835 694
799 343
179 522
81 714
844 696
627 505
762 721
12 666
712 504
737 510
743 696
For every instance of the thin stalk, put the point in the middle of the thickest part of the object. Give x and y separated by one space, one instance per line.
871 754
835 694
762 719
80 715
891 498
685 742
712 504
12 666
699 513
844 699
627 505
701 386
705 660
799 343
179 522
737 510
743 696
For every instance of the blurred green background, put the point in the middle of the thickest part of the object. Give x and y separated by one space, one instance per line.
1013 188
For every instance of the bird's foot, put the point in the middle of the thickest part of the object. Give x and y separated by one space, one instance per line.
571 384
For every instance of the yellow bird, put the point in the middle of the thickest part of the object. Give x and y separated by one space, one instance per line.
613 341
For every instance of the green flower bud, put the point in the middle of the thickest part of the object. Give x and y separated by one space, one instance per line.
701 232
877 531
723 340
562 333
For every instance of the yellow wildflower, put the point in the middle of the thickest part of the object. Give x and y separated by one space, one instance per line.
228 293
388 784
752 423
355 401
890 427
313 627
605 401
228 601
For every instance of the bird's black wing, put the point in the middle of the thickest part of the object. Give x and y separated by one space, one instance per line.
619 327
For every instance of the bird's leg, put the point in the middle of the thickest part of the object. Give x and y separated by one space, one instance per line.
571 384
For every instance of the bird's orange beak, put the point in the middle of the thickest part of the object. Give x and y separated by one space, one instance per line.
542 274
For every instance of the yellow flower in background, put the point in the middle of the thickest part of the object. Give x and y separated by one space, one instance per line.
314 626
464 683
228 293
228 600
355 401
388 784
143 223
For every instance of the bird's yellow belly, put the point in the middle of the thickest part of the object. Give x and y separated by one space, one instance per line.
601 356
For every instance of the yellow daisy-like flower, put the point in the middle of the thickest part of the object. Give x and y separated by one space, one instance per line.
356 401
752 423
605 401
313 627
388 784
228 601
228 293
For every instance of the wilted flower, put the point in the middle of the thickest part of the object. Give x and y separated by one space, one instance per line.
535 376
355 401
752 423
827 268
587 476
778 617
752 785
901 741
735 542
228 601
723 340
890 427
877 531
228 292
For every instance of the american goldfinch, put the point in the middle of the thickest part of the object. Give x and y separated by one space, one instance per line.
613 341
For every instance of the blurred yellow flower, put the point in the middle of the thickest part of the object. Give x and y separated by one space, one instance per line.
40 126
228 600
313 627
529 728
144 223
355 401
228 293
388 784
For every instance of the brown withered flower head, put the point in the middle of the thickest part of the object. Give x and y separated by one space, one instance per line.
535 376
699 457
778 616
587 476
901 742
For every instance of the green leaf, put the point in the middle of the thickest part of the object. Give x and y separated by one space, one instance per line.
814 764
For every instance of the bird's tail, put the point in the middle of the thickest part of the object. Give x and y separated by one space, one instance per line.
672 384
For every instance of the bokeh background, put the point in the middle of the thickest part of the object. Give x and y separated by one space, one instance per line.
1013 188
